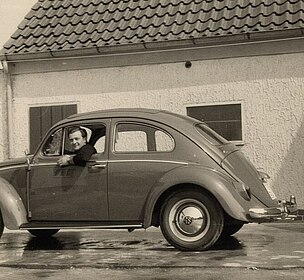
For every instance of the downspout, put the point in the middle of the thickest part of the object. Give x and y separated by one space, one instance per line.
9 106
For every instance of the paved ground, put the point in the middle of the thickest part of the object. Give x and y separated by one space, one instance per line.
256 251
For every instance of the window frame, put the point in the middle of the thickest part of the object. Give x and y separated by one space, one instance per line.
64 129
85 125
239 102
141 152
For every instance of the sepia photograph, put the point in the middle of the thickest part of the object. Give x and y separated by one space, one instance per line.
151 139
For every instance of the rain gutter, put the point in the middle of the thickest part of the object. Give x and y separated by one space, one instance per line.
160 46
145 53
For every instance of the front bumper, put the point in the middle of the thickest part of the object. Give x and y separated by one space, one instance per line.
285 210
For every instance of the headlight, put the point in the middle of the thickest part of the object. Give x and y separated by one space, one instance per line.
243 190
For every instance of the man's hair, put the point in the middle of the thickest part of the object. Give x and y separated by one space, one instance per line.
78 128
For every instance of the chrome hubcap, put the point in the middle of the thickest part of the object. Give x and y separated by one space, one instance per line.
189 220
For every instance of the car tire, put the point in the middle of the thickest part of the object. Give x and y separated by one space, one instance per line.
43 232
191 220
1 224
231 226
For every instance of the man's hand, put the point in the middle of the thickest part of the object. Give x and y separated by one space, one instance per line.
64 160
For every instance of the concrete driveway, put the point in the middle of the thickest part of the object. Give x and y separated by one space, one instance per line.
264 247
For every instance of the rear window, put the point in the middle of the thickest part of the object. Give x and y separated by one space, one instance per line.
210 135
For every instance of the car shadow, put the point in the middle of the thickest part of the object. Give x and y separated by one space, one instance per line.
61 242
48 243
228 243
75 242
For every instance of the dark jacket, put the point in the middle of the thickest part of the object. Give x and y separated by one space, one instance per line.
84 154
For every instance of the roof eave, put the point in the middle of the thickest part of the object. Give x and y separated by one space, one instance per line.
157 45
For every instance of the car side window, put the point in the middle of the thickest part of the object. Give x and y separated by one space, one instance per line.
132 137
100 144
164 143
54 144
131 141
96 135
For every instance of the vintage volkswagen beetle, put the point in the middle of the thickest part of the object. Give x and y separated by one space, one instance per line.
152 168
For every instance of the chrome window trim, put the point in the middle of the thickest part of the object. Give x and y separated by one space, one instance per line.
141 152
149 160
119 161
13 166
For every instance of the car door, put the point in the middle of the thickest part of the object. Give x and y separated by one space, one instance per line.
141 153
69 193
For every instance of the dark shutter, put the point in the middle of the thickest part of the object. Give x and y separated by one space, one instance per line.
224 119
35 128
42 118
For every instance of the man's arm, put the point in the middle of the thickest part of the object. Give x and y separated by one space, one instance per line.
80 159
65 160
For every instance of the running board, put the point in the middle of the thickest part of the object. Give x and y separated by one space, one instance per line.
78 225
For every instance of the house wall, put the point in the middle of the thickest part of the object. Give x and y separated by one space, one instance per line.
3 114
270 87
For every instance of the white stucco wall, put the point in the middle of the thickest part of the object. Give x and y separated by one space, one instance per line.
270 87
3 127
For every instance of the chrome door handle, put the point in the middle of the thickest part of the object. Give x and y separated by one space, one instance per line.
98 166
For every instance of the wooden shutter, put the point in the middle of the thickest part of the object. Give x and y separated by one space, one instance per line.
225 119
42 118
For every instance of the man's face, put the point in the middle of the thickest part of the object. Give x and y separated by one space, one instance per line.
77 141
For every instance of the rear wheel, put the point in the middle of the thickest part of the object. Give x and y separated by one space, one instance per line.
43 232
191 220
231 226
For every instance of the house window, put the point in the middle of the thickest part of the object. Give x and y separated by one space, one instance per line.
42 118
225 119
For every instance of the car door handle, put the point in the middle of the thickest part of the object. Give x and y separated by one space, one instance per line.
98 166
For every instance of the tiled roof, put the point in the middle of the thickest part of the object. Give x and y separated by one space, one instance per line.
73 24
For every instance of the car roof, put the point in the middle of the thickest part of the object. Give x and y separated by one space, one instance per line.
162 116
112 113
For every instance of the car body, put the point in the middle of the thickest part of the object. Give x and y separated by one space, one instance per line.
152 168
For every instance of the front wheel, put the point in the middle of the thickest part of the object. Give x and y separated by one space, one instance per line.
191 220
43 232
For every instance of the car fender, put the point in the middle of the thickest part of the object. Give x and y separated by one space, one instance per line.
11 205
217 183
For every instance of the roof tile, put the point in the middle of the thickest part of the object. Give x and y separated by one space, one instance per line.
66 24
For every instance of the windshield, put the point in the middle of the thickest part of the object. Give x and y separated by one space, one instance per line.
211 135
